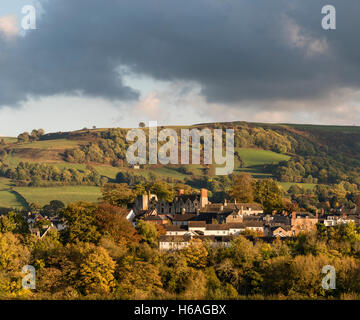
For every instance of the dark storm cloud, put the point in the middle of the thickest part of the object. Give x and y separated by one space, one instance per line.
237 50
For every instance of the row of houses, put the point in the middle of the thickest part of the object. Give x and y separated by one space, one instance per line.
194 217
40 225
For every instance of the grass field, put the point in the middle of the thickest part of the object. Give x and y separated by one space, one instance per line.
107 171
9 198
287 185
255 160
9 139
65 194
257 157
49 144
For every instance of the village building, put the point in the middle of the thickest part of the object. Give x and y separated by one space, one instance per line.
303 222
335 220
182 219
200 228
181 242
279 231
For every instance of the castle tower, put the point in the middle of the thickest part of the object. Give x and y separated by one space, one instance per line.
142 202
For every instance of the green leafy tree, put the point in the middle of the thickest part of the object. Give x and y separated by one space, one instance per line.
13 222
268 193
118 194
88 268
53 209
138 279
80 218
163 190
147 231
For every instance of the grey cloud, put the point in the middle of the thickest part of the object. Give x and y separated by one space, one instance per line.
236 50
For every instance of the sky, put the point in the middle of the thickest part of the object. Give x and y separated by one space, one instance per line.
116 63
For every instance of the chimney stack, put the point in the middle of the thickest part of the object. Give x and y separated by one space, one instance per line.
293 215
203 198
317 214
225 203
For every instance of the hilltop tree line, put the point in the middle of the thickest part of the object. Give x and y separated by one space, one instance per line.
33 136
109 148
38 174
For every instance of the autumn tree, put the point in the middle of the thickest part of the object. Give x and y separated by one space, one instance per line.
13 257
13 254
242 189
118 194
268 193
81 221
111 220
196 254
23 137
163 190
88 268
13 222
148 231
174 272
138 279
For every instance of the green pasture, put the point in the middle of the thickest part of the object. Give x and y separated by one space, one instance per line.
66 194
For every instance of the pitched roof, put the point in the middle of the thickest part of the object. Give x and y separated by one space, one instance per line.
196 224
182 217
185 197
253 223
285 227
217 227
206 216
153 218
250 206
173 228
236 225
305 214
186 238
217 208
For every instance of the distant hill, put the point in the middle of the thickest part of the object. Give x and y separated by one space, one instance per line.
290 153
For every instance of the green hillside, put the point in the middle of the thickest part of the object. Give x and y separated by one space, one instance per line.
71 166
